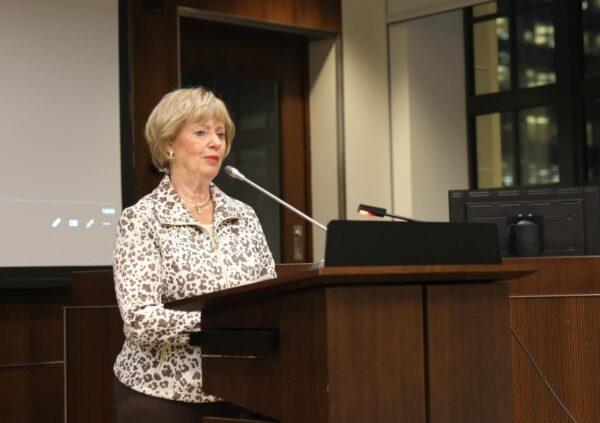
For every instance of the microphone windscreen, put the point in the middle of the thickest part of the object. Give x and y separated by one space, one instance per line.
234 173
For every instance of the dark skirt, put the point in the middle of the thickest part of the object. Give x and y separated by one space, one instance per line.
132 406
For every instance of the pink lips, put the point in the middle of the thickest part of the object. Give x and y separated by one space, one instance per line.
212 158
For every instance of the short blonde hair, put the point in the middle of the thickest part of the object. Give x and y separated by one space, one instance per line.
173 110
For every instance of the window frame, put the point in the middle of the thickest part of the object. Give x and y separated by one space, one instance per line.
567 95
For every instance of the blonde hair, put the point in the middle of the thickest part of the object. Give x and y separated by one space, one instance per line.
173 110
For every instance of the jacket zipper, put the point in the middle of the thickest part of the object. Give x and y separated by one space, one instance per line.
215 242
163 355
213 236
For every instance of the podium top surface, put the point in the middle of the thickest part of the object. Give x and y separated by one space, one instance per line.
300 277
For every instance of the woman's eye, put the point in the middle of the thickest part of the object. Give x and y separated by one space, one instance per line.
221 135
200 133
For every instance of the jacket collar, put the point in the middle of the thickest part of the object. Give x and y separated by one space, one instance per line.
171 210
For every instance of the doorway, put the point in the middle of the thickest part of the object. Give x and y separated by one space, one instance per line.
262 77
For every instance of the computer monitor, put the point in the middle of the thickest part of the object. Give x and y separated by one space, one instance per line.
552 221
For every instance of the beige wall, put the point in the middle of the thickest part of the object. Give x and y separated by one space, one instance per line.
489 153
366 106
357 97
429 138
323 103
406 161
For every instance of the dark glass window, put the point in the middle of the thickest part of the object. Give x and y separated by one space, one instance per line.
533 92
525 4
535 47
590 28
538 146
592 138
591 36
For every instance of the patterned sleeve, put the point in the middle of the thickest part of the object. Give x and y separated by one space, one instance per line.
137 273
264 253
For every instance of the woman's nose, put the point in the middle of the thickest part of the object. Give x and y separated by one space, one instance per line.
215 141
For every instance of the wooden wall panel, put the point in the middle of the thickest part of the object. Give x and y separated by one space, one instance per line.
154 72
89 361
304 326
559 276
32 321
155 59
388 371
32 394
321 15
93 288
469 347
563 335
31 355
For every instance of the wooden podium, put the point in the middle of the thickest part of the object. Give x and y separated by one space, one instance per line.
364 344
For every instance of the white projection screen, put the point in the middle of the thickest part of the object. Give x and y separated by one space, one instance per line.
60 177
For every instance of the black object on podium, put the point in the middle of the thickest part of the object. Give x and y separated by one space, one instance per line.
368 243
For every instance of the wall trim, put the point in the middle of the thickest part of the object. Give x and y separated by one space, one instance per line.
315 34
341 145
420 12
32 365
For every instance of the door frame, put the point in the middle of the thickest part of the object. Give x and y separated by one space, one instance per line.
319 43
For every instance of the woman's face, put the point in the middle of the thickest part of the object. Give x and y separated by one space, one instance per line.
199 148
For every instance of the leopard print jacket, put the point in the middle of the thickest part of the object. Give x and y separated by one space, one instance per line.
162 254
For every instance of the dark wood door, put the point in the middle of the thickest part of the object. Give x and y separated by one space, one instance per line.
262 76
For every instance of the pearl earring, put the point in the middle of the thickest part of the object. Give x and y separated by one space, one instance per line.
170 154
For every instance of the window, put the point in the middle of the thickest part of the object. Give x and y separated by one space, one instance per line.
491 54
533 92
591 36
538 146
535 46
495 152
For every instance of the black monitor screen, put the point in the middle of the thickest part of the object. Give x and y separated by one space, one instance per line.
535 221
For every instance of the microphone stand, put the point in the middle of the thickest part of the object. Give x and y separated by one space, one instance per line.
367 210
236 174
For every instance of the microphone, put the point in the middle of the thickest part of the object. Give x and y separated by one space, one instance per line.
236 174
367 210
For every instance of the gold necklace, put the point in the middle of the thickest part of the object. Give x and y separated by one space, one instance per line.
197 207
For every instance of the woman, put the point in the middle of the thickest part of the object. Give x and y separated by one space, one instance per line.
184 239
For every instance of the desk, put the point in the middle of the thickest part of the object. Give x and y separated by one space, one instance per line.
377 344
555 311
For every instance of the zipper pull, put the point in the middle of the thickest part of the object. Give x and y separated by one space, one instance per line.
163 355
